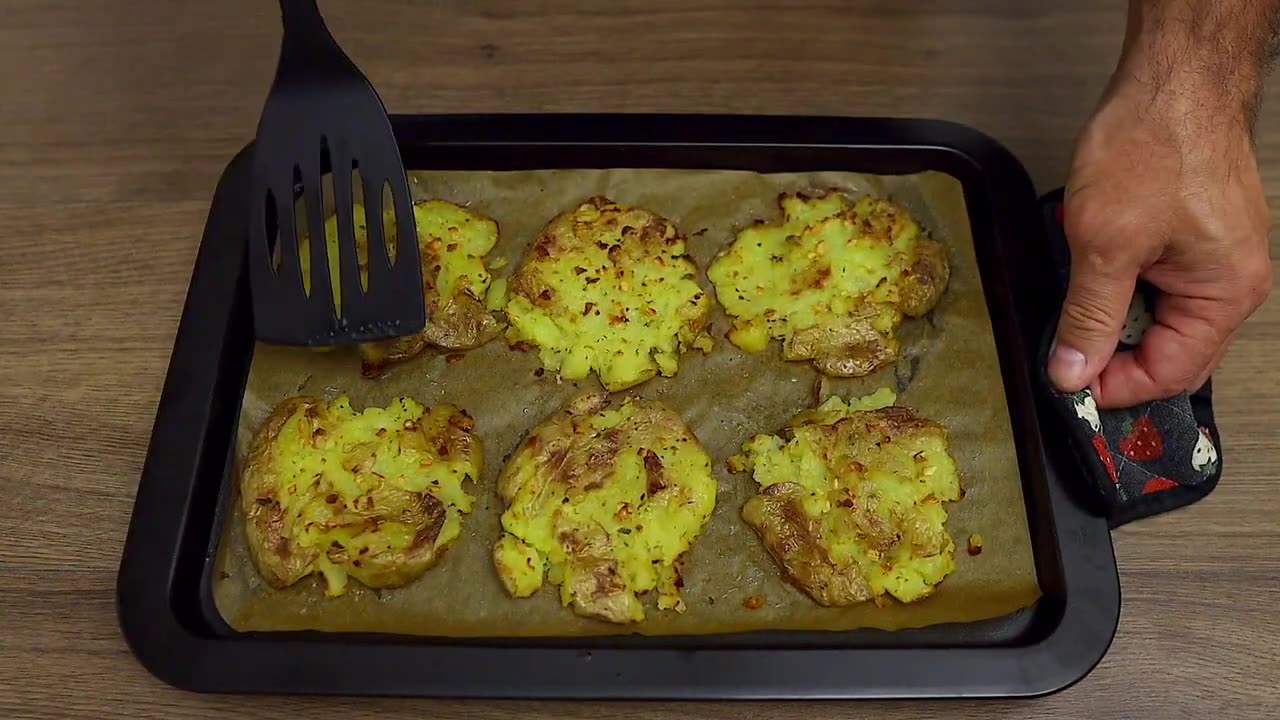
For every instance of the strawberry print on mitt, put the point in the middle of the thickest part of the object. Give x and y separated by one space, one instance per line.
1142 441
1104 454
1204 457
1156 484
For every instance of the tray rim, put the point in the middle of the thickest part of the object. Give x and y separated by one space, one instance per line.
175 650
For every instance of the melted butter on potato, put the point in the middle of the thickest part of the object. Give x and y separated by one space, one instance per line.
608 288
833 280
851 500
453 244
377 495
603 499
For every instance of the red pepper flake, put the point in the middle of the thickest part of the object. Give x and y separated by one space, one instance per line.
753 602
453 358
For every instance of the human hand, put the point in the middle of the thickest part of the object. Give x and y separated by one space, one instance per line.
1164 186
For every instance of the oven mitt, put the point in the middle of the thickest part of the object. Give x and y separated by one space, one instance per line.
1142 460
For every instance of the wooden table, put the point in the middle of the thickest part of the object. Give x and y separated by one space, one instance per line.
118 117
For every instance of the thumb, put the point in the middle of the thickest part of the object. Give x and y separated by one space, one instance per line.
1093 315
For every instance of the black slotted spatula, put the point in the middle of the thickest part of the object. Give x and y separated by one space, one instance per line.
321 106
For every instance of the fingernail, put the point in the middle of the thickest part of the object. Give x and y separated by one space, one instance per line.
1067 367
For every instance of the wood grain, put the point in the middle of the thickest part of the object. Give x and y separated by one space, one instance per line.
119 116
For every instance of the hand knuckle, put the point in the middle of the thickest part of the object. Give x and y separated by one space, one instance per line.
1100 238
1088 315
1250 285
1259 282
1086 223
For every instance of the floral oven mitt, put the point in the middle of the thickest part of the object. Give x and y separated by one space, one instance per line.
1141 460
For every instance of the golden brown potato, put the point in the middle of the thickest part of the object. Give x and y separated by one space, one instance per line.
851 500
378 495
603 498
608 288
833 280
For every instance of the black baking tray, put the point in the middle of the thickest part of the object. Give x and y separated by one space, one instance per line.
165 606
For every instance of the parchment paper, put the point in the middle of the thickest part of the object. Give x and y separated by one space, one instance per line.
725 397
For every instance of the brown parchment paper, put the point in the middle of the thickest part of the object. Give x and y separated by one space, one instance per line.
948 372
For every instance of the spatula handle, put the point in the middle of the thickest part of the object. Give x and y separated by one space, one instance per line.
309 49
304 26
296 11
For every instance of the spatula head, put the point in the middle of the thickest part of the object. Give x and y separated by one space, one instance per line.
322 116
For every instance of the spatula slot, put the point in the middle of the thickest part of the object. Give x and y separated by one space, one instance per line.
389 214
362 229
303 230
272 236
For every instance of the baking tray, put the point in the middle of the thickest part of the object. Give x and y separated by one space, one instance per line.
165 604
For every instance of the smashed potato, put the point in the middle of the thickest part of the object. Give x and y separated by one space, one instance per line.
377 495
851 500
603 499
453 243
608 288
834 279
